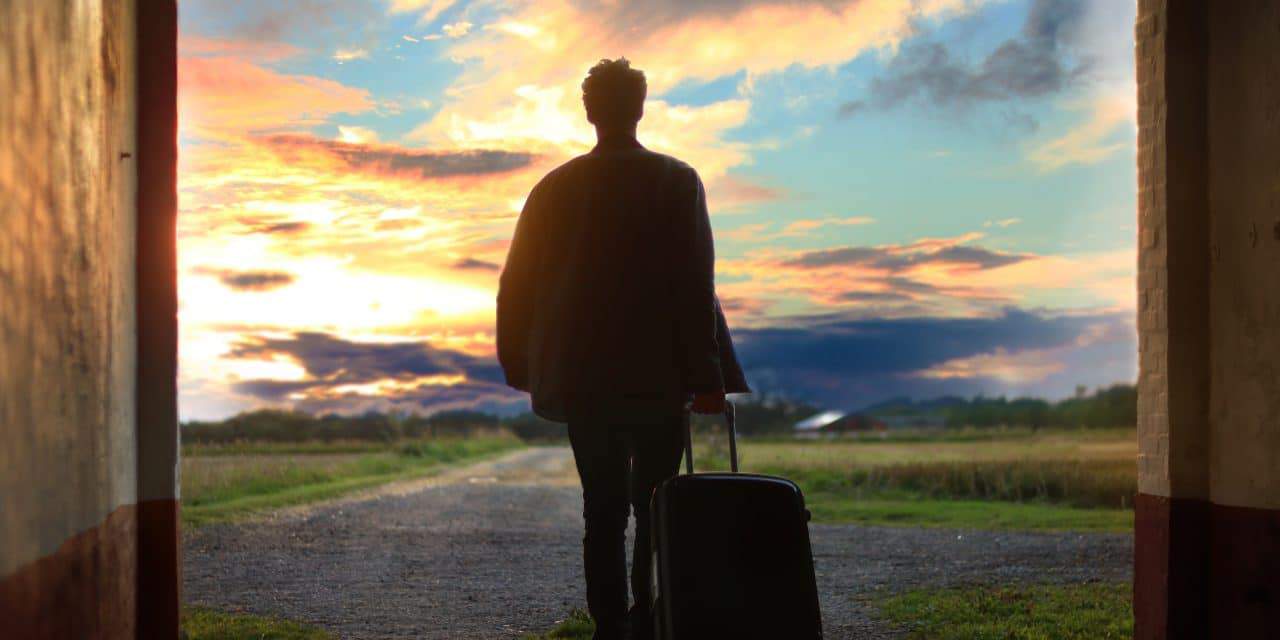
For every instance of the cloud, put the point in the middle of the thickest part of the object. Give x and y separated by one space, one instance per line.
350 53
299 22
356 135
283 227
248 280
331 359
1032 65
457 29
732 192
940 277
349 376
1102 134
193 46
223 97
850 108
853 363
391 160
759 232
876 296
472 264
427 10
1003 223
901 258
521 76
1035 365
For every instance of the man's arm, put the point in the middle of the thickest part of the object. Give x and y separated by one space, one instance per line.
516 293
696 295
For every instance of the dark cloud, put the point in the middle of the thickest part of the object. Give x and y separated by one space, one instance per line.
256 280
1036 63
469 264
833 360
850 108
282 228
249 280
853 363
875 296
332 362
897 258
393 160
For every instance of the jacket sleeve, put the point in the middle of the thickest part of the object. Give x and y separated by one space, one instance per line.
516 295
696 315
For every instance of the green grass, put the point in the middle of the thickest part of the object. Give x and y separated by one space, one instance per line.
283 448
199 623
578 626
1037 612
1021 480
224 486
914 511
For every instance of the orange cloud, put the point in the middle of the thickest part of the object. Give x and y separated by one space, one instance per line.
930 276
221 97
199 46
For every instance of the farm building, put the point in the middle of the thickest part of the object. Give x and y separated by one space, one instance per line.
839 422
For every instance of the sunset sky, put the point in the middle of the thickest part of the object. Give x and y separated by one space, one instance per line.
909 197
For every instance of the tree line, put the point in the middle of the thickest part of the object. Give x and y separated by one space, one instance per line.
1113 406
758 414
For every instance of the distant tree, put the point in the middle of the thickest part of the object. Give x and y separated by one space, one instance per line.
530 427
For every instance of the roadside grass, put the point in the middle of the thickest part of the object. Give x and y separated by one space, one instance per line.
1096 611
886 510
201 623
1045 480
226 486
312 447
578 626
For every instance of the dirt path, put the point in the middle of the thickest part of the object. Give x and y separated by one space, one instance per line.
493 550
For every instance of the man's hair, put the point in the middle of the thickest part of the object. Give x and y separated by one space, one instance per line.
613 93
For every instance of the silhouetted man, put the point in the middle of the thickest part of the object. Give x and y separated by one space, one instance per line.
607 315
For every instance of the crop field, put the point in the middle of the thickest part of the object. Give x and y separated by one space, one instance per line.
224 482
1082 480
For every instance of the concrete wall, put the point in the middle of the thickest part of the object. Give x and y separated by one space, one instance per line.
70 339
66 272
1244 197
1244 399
1207 555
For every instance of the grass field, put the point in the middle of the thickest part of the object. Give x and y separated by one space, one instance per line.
227 482
1084 612
578 626
1097 611
1015 479
199 623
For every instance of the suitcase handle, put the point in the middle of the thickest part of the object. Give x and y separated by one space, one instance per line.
730 419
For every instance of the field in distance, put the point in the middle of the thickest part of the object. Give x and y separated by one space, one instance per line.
228 481
975 478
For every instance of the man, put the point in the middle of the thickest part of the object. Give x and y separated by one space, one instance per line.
607 315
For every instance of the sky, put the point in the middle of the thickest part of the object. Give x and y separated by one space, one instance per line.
909 197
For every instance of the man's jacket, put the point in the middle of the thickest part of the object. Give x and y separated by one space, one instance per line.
609 290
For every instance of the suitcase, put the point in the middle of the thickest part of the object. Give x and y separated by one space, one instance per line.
731 555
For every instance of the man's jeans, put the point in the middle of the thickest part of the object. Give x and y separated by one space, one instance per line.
620 460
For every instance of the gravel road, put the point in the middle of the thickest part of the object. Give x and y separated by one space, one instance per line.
493 551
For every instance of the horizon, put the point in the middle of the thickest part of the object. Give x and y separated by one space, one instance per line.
909 199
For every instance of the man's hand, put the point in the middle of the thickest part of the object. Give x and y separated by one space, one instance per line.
708 403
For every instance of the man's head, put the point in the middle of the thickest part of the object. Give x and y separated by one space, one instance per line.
613 94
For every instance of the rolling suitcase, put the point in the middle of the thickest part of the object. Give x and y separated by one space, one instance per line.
731 555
